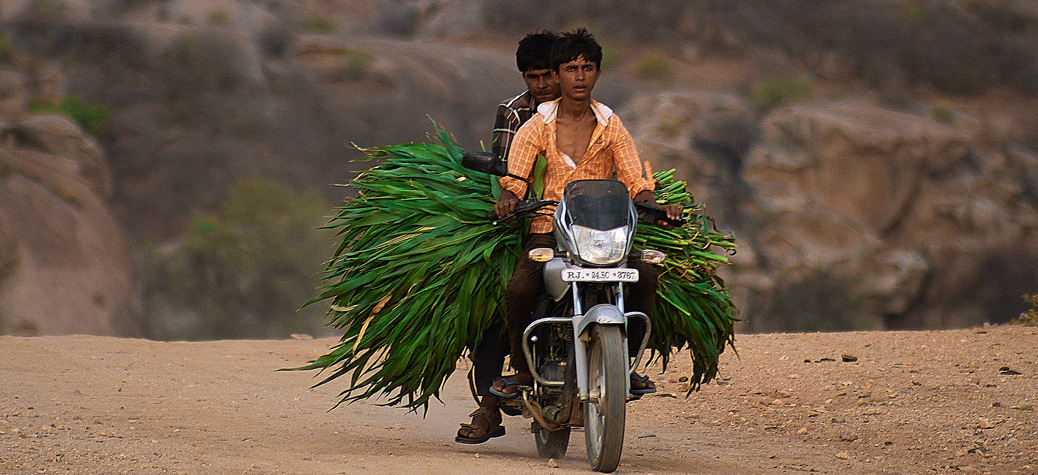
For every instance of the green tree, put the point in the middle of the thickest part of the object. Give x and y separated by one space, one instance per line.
243 272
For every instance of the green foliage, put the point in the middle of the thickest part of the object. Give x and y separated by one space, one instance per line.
218 18
6 49
92 118
357 63
610 57
1029 318
913 11
654 66
420 274
319 25
200 60
958 77
777 91
243 272
693 308
942 115
48 10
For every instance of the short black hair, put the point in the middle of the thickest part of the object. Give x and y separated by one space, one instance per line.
535 51
573 45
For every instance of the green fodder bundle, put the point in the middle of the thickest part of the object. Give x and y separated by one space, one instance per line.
693 308
420 273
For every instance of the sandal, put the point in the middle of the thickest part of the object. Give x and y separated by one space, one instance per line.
501 392
647 387
480 433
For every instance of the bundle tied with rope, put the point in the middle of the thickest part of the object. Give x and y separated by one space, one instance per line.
420 273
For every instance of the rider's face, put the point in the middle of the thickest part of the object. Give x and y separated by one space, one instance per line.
578 78
542 84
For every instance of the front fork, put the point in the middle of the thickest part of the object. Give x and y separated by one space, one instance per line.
601 314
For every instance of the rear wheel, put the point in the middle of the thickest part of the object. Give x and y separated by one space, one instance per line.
605 411
552 444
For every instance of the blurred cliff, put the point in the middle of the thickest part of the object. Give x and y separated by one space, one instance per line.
877 161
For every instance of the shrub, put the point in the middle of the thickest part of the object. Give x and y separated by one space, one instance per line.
958 77
203 60
357 63
91 117
913 11
610 57
6 49
654 66
1030 317
243 272
218 18
777 91
942 115
319 25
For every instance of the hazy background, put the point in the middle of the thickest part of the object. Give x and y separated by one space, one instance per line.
165 164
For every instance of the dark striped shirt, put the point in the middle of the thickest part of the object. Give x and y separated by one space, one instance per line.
511 115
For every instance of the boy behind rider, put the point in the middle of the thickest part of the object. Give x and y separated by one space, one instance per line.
533 58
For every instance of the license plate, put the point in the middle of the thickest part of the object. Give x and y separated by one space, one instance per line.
577 274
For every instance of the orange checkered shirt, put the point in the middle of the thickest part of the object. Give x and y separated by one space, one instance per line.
611 149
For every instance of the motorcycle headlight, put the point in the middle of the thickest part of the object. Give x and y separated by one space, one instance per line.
600 247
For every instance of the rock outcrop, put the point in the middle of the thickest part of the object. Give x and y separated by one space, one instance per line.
64 263
852 215
847 214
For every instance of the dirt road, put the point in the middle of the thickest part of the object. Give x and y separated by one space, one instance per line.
959 401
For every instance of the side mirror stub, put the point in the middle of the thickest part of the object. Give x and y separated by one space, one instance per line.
486 162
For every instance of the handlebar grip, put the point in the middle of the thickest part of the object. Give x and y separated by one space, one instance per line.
673 222
652 214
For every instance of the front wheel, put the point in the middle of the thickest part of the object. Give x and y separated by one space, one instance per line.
605 411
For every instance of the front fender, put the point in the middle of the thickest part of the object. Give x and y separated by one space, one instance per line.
602 313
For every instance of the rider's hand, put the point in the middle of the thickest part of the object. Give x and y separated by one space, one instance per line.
673 214
505 204
673 211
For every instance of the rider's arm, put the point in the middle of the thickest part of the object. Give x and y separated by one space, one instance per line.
521 157
628 166
631 173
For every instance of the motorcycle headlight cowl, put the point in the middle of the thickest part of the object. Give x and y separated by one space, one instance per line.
601 247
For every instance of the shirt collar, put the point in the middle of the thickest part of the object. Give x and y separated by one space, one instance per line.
549 110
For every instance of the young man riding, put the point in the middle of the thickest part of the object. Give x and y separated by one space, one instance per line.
533 58
581 139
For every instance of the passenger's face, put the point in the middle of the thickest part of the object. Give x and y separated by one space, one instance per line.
577 78
542 84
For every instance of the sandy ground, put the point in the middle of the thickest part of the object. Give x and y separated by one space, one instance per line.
870 402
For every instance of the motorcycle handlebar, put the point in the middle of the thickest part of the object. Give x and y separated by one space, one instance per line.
529 208
651 213
523 209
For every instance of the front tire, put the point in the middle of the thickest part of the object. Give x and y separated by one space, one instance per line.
605 416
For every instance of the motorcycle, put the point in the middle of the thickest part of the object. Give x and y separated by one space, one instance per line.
577 347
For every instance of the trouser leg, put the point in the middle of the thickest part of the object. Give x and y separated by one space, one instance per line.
488 358
526 284
640 297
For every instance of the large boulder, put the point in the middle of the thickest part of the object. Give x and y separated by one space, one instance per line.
851 215
64 265
924 229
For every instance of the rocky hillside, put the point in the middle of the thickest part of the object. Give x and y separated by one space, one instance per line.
878 163
64 260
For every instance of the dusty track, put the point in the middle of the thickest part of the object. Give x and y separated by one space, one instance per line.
911 402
